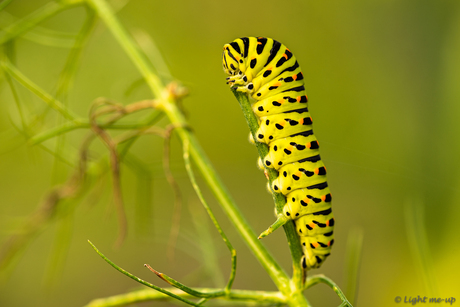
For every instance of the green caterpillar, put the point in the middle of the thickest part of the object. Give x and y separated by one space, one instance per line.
269 73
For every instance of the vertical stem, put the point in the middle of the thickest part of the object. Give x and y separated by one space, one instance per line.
352 260
106 13
279 199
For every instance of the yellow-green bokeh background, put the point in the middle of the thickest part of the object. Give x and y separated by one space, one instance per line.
383 80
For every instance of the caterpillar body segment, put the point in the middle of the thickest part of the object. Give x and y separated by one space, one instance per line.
307 202
282 125
270 74
292 149
293 176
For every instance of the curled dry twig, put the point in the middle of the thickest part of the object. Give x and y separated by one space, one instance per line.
100 107
114 163
75 185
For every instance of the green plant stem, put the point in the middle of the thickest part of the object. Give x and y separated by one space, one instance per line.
106 13
313 280
40 35
34 88
204 165
353 260
4 4
82 123
72 64
261 297
186 289
191 175
279 199
209 293
140 280
46 11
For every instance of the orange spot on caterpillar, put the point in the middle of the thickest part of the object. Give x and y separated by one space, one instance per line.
306 200
298 98
308 145
259 43
329 243
323 198
301 121
285 56
281 101
316 244
298 174
312 225
266 174
294 77
317 171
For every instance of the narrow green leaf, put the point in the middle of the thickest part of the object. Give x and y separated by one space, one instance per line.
145 283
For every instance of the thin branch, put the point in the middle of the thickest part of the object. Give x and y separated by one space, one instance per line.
313 280
44 12
145 283
191 175
184 288
106 13
34 88
353 260
238 297
176 191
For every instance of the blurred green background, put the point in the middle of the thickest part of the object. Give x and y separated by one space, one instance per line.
383 80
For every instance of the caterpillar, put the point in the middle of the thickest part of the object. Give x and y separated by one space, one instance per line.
271 76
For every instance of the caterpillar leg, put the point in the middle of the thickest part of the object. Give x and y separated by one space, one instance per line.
248 88
240 81
237 79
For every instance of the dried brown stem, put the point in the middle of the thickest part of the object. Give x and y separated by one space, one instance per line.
102 107
115 168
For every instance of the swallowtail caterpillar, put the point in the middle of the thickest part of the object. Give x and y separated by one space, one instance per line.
271 76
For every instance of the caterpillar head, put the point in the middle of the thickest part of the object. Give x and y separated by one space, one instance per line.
231 60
